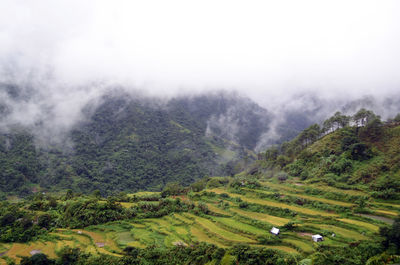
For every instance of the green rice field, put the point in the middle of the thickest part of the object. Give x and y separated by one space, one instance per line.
222 226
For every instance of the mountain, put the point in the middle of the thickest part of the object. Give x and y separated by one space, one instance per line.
127 142
133 142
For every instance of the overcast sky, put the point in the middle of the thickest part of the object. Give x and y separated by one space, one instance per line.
263 48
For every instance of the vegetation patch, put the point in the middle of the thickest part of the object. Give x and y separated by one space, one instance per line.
211 227
303 246
274 220
371 227
239 226
341 231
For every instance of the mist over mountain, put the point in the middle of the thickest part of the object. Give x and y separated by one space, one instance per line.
121 140
130 142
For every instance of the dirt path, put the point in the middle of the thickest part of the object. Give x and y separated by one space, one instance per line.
3 253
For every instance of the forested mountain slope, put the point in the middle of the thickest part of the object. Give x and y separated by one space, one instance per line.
132 143
358 151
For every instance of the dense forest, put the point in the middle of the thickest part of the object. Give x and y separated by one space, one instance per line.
131 143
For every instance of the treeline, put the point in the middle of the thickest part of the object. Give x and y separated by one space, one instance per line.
367 124
360 150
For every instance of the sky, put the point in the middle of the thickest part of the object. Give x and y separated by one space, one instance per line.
70 51
263 48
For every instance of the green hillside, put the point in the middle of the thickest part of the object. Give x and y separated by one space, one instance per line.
365 158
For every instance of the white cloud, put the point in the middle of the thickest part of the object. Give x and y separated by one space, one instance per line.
269 50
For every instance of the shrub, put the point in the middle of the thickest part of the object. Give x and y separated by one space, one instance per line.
282 176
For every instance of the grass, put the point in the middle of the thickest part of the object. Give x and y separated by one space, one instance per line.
170 239
161 222
124 238
236 225
220 232
3 248
181 230
371 227
303 246
127 204
388 204
182 218
144 193
19 249
147 238
156 227
217 210
274 220
138 225
172 220
279 187
95 236
227 259
333 202
385 212
198 234
336 190
341 231
313 198
275 204
284 249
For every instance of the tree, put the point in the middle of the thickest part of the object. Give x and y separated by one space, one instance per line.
362 117
309 135
68 256
397 118
392 236
173 188
271 154
359 151
37 259
373 130
96 194
335 122
69 195
282 160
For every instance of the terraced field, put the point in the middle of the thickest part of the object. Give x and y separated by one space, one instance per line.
368 226
240 227
274 203
220 232
313 198
343 232
274 220
303 246
223 226
217 210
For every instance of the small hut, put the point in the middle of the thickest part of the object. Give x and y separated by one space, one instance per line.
317 238
275 231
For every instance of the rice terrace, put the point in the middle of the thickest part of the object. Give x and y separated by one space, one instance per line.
222 216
